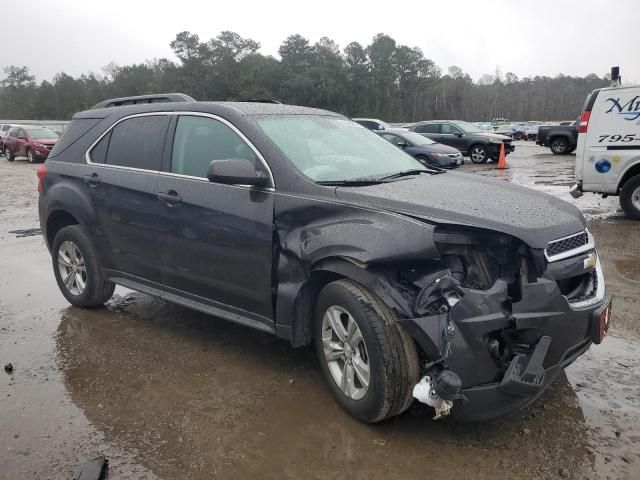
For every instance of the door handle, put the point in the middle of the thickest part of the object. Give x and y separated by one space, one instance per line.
92 180
171 198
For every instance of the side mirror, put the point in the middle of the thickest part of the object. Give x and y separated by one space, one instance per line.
22 138
236 171
458 134
403 144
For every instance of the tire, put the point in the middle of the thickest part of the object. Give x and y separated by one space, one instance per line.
478 153
9 155
559 146
630 198
382 346
30 156
97 289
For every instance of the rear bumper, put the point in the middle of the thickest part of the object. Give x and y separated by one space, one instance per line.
490 385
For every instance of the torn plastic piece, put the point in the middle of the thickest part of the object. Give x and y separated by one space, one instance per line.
423 392
94 469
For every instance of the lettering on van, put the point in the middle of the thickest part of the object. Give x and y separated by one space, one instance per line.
630 110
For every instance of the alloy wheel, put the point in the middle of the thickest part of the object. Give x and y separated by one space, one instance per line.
30 156
72 268
635 199
345 352
478 155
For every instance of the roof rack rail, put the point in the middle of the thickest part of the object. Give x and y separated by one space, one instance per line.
258 100
155 98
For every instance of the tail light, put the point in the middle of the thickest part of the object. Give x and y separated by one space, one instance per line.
584 121
41 172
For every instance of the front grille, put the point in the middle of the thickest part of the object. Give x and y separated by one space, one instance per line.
567 244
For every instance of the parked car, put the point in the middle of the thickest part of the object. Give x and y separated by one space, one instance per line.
32 142
4 131
424 149
506 130
478 145
608 150
560 139
291 221
531 133
373 123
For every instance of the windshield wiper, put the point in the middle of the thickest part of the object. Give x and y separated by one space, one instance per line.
414 171
356 182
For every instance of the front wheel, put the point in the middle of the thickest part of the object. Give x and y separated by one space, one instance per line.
8 155
77 269
31 157
479 154
368 360
630 198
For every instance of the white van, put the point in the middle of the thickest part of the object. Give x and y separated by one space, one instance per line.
608 151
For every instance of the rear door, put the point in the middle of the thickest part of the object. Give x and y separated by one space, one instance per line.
217 244
429 130
121 180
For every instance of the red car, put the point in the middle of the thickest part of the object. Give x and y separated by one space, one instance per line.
35 143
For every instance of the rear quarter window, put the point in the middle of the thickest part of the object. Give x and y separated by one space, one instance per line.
76 129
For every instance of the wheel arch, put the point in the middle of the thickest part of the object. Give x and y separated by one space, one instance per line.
57 220
631 171
329 270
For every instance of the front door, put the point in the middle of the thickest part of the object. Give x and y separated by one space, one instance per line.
453 136
218 239
20 148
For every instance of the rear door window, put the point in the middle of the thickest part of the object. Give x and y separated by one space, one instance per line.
99 152
138 142
200 140
428 128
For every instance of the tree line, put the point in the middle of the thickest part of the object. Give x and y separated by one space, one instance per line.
383 79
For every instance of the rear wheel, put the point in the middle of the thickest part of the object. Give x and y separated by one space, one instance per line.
368 360
479 154
630 198
77 269
559 146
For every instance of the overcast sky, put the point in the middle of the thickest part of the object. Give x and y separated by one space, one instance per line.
540 37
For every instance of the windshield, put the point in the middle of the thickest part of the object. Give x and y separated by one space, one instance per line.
467 127
327 149
416 138
41 133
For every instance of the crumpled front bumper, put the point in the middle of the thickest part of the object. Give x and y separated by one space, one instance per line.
491 388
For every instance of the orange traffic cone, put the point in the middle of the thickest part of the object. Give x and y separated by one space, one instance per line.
502 159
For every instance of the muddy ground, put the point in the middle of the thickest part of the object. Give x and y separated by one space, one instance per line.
165 392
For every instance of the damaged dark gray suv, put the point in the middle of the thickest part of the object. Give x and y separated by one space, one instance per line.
467 293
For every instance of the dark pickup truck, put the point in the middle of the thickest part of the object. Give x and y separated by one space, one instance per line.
559 138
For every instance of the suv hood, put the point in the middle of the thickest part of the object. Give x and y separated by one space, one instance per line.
467 199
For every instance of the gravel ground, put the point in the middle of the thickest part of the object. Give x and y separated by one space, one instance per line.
166 392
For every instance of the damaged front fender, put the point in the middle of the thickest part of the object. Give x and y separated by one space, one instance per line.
317 241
